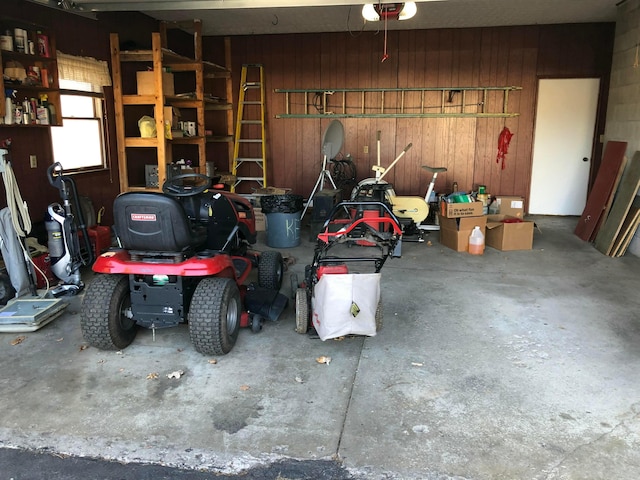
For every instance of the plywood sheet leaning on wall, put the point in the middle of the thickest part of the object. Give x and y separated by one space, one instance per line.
627 231
625 195
604 186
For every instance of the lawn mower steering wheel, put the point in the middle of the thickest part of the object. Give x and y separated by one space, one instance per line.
175 186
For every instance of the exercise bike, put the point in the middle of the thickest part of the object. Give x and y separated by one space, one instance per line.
411 211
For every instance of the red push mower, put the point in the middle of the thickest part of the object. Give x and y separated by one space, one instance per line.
184 258
340 293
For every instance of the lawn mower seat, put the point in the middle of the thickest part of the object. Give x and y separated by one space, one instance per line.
154 222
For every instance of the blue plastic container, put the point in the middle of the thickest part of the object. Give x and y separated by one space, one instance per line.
283 229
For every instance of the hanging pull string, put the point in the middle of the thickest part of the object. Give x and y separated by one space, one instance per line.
385 56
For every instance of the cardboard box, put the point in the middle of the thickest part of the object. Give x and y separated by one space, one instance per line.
172 114
508 236
273 191
147 85
458 210
454 232
261 224
511 206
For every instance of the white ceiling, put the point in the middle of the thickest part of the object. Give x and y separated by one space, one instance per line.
244 17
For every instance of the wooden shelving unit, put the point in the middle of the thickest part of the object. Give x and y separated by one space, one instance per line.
138 156
37 65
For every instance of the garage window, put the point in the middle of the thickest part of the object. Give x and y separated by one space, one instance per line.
79 144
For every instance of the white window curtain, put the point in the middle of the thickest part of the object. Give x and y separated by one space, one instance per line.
84 69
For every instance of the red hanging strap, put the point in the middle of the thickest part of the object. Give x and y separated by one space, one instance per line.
503 145
385 55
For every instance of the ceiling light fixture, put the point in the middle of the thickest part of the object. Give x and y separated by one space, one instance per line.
391 11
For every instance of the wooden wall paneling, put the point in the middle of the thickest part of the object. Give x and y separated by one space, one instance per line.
430 134
472 65
32 182
477 57
406 129
277 141
413 178
551 56
362 46
501 66
526 107
448 126
485 139
515 174
308 131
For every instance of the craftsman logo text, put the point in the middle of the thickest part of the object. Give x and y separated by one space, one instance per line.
143 217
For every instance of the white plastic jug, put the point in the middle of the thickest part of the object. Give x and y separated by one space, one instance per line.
476 242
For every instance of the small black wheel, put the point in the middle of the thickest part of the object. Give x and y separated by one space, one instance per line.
214 316
256 323
294 284
379 315
302 310
270 270
105 318
186 185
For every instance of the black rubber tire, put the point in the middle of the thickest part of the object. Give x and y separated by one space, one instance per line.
214 316
270 270
379 315
103 321
256 323
302 310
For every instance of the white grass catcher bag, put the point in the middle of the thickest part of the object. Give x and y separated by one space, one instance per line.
345 304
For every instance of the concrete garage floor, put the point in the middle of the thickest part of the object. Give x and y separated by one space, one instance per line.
510 365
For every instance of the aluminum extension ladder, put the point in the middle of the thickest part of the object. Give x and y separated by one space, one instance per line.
250 140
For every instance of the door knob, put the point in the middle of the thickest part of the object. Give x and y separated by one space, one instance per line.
585 159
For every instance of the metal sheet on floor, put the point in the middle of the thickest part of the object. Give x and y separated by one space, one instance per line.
28 315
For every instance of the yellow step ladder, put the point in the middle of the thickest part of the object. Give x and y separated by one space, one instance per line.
250 145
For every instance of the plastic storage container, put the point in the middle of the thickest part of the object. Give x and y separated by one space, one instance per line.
476 242
282 215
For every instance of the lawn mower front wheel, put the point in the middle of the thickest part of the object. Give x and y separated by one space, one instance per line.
270 270
214 316
105 316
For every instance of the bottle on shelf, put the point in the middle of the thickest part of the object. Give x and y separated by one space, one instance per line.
6 41
8 113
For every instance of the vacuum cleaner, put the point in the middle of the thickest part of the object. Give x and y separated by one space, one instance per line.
66 227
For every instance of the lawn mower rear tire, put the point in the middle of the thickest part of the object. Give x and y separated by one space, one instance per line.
302 310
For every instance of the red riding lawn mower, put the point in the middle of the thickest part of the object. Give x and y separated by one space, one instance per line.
183 256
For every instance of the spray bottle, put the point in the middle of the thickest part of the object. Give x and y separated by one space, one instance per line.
8 112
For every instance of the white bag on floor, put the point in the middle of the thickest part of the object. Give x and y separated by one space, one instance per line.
345 304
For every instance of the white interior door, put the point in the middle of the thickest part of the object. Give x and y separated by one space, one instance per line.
564 130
